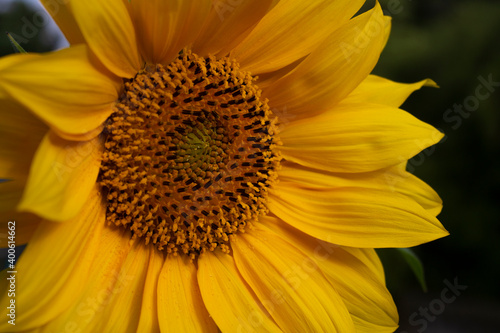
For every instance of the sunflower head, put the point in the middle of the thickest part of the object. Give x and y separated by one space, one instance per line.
189 154
148 174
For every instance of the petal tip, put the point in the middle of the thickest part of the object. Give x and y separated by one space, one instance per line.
430 83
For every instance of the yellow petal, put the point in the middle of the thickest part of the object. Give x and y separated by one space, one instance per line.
266 80
20 136
11 192
355 216
109 32
114 283
148 321
423 194
18 152
79 137
180 306
394 178
370 259
227 23
61 13
333 70
54 268
25 225
11 61
387 30
289 284
378 90
227 298
290 31
165 27
63 88
365 296
352 273
405 183
62 175
125 297
356 138
305 176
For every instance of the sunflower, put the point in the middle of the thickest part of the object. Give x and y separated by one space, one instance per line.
192 165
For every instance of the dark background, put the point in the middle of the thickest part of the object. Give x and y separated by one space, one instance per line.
457 44
454 43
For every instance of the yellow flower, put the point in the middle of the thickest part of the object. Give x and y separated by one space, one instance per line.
199 165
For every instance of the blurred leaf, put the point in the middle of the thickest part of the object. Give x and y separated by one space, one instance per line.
15 44
415 264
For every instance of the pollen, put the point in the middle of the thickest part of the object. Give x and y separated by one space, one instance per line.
189 154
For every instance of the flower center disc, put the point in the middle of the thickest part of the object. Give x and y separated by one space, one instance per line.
188 155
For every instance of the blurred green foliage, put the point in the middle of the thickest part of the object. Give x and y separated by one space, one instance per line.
27 25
